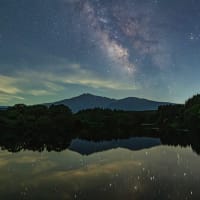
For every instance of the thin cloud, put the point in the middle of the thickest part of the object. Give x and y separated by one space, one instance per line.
8 85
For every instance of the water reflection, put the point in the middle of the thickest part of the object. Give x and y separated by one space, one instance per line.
161 172
86 147
38 142
135 168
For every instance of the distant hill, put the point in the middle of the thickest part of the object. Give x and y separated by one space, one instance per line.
137 104
3 107
87 101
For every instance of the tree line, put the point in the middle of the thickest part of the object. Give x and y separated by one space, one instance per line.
47 121
181 117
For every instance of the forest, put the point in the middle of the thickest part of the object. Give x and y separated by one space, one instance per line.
57 124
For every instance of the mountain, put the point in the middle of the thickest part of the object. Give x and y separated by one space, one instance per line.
137 104
87 101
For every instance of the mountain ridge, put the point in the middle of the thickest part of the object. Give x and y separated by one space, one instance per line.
90 101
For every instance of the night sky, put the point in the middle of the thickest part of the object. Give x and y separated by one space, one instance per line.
56 49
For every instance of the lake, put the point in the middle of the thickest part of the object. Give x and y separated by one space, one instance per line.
134 168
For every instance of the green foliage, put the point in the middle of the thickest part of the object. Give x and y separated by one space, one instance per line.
192 117
170 115
37 118
59 110
181 116
192 101
97 123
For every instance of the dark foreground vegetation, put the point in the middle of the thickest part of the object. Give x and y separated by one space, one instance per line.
180 117
38 127
59 120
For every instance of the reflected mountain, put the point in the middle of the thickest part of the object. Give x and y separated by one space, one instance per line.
57 142
86 147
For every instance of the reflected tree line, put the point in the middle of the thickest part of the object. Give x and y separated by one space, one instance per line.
40 127
182 140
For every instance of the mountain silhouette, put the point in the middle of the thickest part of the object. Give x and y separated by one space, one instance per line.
89 101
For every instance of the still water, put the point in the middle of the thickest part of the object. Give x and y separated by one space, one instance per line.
135 168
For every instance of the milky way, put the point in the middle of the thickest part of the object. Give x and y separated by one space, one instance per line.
51 50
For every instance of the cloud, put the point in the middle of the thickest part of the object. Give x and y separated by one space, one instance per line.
8 85
77 76
9 89
49 81
98 83
4 98
40 92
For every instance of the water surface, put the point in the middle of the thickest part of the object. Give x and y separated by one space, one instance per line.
135 168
